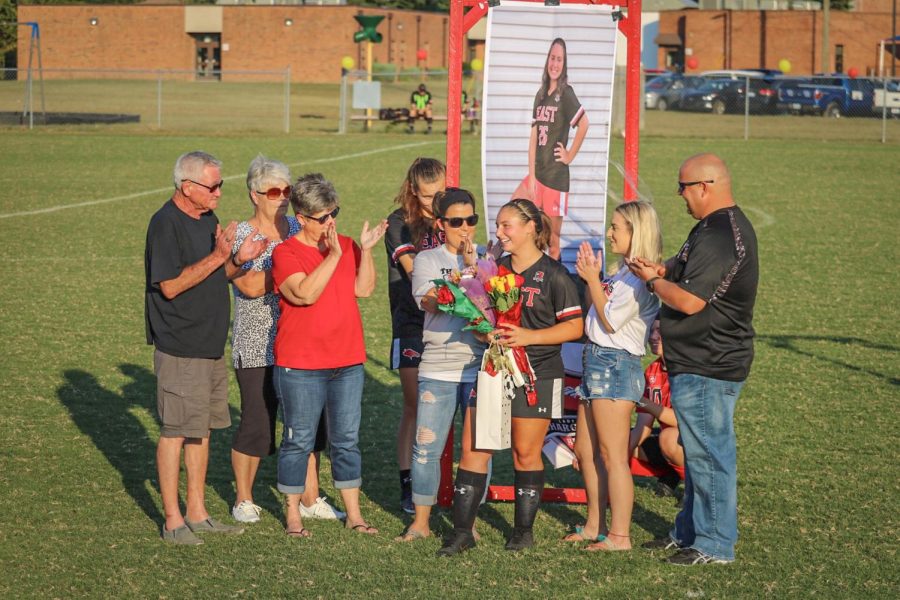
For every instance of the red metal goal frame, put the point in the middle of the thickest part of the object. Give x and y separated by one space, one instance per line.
461 20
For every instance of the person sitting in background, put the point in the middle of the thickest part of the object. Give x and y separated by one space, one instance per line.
658 447
253 338
420 107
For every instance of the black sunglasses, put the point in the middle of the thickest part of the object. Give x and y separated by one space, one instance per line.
274 193
456 222
687 184
321 220
211 188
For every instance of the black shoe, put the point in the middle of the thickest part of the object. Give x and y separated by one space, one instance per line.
406 504
459 541
663 543
666 486
687 557
520 539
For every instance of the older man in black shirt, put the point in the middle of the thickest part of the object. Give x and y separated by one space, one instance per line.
708 291
187 264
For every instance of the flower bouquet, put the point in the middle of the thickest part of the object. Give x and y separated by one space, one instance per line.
458 297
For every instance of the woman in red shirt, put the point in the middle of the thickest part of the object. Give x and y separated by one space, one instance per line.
319 348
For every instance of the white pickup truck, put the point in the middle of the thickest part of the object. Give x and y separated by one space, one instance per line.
887 97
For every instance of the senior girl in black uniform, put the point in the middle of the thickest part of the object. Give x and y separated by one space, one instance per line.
410 230
551 315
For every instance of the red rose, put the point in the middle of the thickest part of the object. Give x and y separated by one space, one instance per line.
445 296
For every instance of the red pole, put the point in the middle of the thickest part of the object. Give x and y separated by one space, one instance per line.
454 91
631 27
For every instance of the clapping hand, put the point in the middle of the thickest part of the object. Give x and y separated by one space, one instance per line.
587 264
369 237
646 269
225 239
252 246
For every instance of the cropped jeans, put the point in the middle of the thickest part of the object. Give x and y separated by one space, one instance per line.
705 411
434 414
304 394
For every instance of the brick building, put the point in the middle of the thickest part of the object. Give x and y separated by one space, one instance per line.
311 40
745 39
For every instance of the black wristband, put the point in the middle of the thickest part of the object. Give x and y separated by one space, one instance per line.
649 283
234 262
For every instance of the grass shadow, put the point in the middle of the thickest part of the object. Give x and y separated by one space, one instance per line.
105 417
788 342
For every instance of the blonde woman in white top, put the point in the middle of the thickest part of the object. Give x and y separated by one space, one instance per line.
618 325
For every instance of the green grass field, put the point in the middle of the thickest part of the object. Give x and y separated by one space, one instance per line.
818 458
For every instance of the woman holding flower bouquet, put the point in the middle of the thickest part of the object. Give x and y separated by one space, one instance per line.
550 315
618 325
451 356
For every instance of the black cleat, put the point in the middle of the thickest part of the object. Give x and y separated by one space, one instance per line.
460 541
520 539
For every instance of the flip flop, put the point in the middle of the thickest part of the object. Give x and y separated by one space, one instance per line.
303 532
364 528
579 536
411 535
605 545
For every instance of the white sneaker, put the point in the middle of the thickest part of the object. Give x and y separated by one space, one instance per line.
246 512
321 510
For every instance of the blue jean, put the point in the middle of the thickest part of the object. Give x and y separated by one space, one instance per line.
304 394
434 414
705 411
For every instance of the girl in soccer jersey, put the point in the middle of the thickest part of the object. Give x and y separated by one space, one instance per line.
618 324
410 230
551 315
556 110
451 358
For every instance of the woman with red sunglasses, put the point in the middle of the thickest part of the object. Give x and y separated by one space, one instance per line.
253 336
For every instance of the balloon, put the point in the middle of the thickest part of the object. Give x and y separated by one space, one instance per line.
784 65
477 64
853 72
348 63
421 54
693 63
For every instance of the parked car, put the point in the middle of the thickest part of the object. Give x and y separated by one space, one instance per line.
664 94
828 95
887 98
735 74
719 96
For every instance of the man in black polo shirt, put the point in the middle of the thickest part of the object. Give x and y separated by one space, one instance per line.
187 263
707 291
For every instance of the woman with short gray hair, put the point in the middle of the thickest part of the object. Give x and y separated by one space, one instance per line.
256 316
319 348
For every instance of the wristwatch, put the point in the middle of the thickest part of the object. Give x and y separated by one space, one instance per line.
650 283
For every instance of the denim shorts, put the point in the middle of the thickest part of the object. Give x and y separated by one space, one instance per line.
611 373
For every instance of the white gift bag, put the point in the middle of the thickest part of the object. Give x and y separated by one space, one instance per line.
493 411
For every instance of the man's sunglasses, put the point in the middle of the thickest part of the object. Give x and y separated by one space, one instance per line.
321 220
456 222
211 188
687 184
275 193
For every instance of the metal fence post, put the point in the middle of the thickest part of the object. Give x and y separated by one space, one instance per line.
159 99
747 108
884 103
342 123
287 99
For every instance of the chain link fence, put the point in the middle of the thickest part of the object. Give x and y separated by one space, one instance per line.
814 107
157 100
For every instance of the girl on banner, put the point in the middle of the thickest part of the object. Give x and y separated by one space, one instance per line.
450 361
618 325
556 110
410 230
551 315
